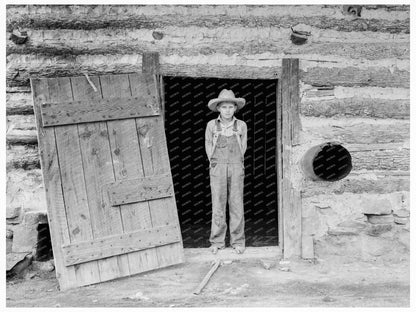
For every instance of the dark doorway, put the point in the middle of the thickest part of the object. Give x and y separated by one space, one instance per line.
186 117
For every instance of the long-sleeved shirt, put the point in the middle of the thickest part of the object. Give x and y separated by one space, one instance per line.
226 130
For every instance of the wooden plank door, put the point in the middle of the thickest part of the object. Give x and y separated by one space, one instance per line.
109 190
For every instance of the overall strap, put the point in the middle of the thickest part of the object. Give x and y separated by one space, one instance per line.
235 126
238 137
217 123
215 137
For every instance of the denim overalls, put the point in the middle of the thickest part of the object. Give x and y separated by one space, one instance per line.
227 182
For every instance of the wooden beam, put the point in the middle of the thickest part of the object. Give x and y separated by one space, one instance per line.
356 107
291 201
102 19
372 182
19 103
116 244
372 46
138 190
357 131
279 162
294 101
150 63
21 68
73 112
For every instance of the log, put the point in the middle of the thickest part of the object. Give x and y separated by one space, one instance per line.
389 12
356 107
381 159
21 129
22 137
18 89
355 76
21 67
22 157
198 40
356 131
387 7
96 17
373 182
19 103
25 66
21 122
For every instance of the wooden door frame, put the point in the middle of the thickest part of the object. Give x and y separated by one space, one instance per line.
289 200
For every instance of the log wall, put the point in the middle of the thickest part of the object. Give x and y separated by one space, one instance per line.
354 72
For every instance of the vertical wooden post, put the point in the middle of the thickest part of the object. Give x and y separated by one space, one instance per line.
279 164
150 66
288 98
150 63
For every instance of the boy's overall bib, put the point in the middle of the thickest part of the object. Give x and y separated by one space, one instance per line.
227 183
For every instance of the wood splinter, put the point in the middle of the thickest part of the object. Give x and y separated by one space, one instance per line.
214 267
90 82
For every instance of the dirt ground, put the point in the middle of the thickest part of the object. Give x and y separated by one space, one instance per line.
330 282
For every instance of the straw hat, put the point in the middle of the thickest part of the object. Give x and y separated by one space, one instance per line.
226 96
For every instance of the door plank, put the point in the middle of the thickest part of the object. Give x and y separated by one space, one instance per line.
73 184
148 142
127 164
73 112
138 190
98 170
82 252
164 210
155 158
52 180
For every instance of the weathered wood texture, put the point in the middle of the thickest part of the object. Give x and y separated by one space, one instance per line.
353 76
390 12
94 17
110 246
358 130
372 182
138 190
356 107
247 41
22 156
279 163
379 157
127 164
188 41
71 168
21 130
291 202
99 110
155 162
21 67
19 103
52 181
95 154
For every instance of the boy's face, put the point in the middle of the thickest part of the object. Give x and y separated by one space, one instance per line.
227 109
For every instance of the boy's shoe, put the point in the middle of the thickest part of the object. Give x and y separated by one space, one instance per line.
239 249
214 249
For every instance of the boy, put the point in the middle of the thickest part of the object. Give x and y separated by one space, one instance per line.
225 145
